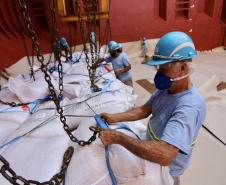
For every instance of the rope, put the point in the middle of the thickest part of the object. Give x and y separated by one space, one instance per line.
164 57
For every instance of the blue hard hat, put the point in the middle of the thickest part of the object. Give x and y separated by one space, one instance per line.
112 45
173 46
119 46
63 41
144 38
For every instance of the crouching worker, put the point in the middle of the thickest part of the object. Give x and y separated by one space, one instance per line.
63 46
120 63
178 110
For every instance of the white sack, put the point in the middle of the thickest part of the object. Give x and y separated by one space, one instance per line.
76 85
46 118
28 79
14 114
36 159
115 85
88 166
7 96
79 69
127 168
102 71
65 68
7 128
29 92
83 79
117 101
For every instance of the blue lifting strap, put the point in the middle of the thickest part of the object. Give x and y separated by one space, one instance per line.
107 148
123 126
37 102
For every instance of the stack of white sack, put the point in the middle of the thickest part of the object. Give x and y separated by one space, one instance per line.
38 155
33 154
45 121
77 82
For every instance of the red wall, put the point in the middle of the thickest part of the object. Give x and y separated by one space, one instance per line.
203 22
130 20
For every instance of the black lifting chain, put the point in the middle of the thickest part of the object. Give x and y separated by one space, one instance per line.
31 64
89 68
57 38
13 104
57 179
95 26
92 75
48 79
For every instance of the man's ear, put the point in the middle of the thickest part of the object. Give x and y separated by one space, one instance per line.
184 67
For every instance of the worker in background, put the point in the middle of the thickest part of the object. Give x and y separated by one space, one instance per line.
120 63
92 37
178 110
59 51
145 47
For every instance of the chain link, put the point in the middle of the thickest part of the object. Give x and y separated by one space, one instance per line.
13 104
47 76
57 179
52 6
91 71
95 28
51 32
89 68
100 44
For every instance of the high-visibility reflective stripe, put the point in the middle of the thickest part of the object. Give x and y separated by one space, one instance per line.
193 143
151 133
155 138
118 69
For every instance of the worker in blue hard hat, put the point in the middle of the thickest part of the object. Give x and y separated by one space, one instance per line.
145 47
120 63
63 46
92 37
177 109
